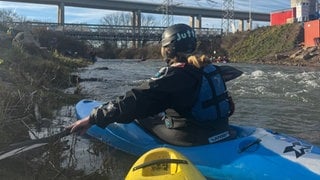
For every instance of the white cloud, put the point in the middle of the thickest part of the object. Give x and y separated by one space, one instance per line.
81 15
25 6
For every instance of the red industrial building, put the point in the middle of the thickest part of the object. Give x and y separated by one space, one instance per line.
282 16
311 28
300 11
312 33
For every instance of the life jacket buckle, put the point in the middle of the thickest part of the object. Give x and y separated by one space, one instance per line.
168 122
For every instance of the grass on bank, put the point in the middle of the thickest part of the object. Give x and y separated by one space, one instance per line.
28 81
262 42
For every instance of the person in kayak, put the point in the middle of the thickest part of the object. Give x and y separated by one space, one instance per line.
184 104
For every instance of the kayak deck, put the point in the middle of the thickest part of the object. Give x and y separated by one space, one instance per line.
163 163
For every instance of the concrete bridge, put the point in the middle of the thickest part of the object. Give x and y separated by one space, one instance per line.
195 13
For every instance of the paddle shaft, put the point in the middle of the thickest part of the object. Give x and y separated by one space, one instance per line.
27 145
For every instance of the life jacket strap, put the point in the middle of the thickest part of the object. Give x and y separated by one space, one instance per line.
215 100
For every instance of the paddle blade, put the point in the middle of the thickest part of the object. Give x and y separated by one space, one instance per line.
17 148
14 152
229 72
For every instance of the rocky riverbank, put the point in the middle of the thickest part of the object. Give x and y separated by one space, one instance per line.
32 84
297 57
31 87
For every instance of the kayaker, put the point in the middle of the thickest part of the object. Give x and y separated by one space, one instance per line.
182 105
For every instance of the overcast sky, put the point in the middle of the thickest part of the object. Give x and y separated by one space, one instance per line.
48 13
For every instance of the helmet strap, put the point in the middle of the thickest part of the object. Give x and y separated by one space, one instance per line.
171 51
169 54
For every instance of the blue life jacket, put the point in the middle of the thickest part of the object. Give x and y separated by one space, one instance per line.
212 103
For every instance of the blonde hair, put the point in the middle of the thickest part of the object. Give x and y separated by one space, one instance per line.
199 61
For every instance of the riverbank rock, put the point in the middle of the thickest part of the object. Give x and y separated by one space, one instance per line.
26 41
300 56
305 53
280 56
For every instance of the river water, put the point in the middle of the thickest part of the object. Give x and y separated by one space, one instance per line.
281 98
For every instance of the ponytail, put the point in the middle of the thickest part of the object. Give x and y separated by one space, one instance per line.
199 61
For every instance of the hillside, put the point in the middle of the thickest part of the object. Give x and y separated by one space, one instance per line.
271 45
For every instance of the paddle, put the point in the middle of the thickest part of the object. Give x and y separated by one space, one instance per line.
229 72
17 148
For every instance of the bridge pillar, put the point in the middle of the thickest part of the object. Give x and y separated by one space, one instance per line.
249 25
136 19
241 25
191 21
199 21
61 13
136 25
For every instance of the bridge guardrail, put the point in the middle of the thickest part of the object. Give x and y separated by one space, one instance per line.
109 32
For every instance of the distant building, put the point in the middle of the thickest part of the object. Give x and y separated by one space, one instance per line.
300 11
312 33
283 16
306 9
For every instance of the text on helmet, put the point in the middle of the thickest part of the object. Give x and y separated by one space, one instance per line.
185 35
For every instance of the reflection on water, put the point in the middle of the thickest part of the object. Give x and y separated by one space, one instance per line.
284 99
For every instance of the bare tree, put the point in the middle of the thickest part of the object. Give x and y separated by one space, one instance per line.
148 20
117 19
125 19
8 17
120 24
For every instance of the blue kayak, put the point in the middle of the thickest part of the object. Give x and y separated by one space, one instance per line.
255 153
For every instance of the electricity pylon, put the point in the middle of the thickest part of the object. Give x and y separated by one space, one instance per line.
227 21
166 7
